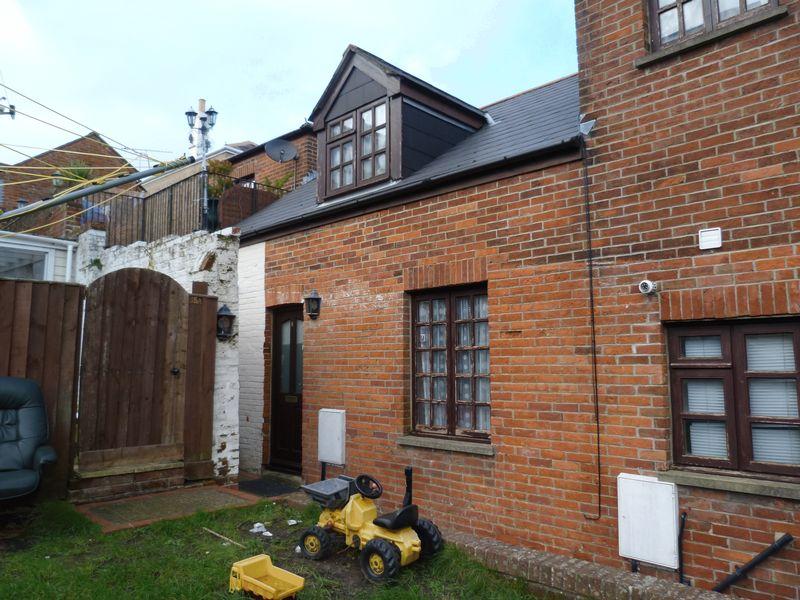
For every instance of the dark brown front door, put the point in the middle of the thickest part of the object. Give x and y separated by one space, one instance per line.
287 389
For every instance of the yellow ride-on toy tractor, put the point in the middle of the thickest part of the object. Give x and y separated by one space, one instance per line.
386 542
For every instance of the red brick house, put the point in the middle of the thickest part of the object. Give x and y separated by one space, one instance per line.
481 315
33 179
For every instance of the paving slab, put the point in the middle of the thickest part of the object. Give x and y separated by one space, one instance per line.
138 511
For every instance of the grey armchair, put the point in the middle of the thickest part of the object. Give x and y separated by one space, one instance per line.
23 437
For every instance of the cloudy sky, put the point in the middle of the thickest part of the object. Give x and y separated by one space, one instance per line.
130 69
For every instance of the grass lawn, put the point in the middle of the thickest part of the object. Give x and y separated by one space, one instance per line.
64 555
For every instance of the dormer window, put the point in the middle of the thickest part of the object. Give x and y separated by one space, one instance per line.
357 148
375 122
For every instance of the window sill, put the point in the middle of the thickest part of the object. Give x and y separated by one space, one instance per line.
741 484
450 445
762 16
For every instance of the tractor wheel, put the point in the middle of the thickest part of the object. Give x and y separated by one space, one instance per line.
379 560
430 536
316 543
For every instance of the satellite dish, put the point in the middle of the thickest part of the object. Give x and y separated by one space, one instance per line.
280 150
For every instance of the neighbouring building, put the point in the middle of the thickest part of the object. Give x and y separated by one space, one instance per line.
51 172
254 165
160 182
482 318
36 257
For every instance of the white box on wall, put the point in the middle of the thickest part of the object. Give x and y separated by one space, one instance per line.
709 239
648 520
331 436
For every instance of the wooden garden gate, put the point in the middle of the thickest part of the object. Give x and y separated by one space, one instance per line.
147 363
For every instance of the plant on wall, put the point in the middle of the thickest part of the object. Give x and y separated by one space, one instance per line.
277 186
219 178
76 170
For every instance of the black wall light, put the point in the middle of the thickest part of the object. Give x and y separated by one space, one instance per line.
313 304
225 319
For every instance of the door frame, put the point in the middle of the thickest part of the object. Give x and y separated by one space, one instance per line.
277 313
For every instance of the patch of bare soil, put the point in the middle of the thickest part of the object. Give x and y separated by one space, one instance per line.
338 575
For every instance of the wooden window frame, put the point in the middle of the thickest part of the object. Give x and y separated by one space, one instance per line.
339 143
362 131
731 367
355 135
711 19
451 326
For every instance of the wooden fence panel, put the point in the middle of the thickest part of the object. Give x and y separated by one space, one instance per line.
40 324
199 408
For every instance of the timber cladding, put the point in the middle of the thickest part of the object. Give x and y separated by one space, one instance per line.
40 325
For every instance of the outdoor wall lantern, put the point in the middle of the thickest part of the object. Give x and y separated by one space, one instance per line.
191 115
313 304
225 319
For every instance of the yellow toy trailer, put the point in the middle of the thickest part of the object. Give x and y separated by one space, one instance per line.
386 542
260 577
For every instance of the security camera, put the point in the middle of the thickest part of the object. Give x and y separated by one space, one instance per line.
648 287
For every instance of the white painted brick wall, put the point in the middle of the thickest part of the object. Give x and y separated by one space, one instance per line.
180 258
251 356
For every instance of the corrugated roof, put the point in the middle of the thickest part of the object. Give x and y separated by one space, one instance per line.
526 124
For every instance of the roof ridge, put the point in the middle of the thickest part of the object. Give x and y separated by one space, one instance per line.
533 89
92 134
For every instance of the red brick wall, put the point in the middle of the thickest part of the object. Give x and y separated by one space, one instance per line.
62 157
705 139
357 357
263 166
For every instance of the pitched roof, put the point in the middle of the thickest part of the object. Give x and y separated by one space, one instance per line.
529 124
389 69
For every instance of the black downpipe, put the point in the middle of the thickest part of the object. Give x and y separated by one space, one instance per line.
407 499
742 572
590 269
681 577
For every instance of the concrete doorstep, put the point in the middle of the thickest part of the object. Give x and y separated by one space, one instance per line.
572 578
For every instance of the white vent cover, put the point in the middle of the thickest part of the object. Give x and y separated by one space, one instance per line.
331 436
709 239
648 520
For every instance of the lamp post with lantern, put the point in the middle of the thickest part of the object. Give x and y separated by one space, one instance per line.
199 137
